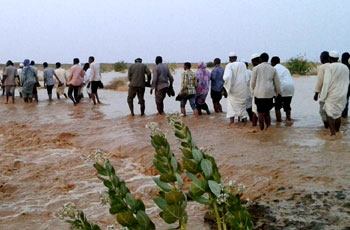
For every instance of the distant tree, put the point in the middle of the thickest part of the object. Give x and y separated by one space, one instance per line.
299 65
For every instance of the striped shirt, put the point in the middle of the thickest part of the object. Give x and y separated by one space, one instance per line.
188 83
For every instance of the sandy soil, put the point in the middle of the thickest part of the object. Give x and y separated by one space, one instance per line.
44 151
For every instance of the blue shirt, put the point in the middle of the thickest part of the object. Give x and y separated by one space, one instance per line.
48 76
216 78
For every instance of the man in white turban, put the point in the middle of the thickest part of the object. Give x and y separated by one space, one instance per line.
334 91
237 91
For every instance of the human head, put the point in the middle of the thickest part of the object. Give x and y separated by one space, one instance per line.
138 60
202 65
91 59
159 59
246 64
275 60
264 57
45 65
76 61
58 65
333 56
21 65
217 61
324 57
32 63
345 58
9 62
255 58
187 66
26 62
232 56
86 66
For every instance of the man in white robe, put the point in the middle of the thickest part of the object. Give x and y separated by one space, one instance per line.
287 89
255 59
334 91
236 87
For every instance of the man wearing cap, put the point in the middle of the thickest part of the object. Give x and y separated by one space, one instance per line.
136 75
255 59
232 57
265 85
324 58
334 91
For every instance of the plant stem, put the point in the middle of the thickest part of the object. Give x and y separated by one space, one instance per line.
182 225
217 216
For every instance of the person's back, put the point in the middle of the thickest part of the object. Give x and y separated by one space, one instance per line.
188 83
49 76
28 75
61 74
216 78
11 73
320 76
136 75
95 74
161 77
336 82
264 81
286 81
76 75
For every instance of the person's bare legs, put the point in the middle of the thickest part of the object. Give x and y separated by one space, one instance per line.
337 124
331 123
58 96
254 120
261 120
98 99
232 120
183 111
196 113
250 114
288 115
93 98
267 119
278 115
131 107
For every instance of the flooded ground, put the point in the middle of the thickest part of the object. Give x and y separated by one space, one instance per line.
44 149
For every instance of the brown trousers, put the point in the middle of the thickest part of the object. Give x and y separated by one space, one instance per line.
160 95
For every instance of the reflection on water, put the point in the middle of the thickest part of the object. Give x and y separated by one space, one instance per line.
42 149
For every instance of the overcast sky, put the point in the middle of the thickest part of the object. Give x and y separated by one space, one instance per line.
178 30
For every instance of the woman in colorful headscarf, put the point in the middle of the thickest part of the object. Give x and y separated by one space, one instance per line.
203 79
28 81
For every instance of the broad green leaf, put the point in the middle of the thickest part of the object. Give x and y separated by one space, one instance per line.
173 197
167 178
140 206
197 155
214 188
123 189
108 167
108 184
200 199
126 219
116 208
164 186
173 163
143 220
160 166
185 145
190 166
179 135
100 169
179 180
198 187
130 200
160 202
187 153
172 213
207 168
115 180
188 134
191 176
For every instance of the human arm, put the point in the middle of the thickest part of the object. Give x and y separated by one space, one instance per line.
149 76
325 85
92 72
170 77
253 81
155 78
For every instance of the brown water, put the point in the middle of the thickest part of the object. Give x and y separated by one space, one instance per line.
43 151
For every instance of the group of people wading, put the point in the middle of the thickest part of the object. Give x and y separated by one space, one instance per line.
251 94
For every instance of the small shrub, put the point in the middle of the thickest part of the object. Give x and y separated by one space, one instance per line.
120 66
299 65
210 64
172 67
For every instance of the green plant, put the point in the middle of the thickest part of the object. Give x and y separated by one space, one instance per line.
172 67
210 64
299 65
207 186
171 199
130 212
120 66
76 218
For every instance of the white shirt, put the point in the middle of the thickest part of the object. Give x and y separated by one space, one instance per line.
265 82
286 81
95 74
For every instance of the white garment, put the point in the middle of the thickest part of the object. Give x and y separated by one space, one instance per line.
249 94
62 75
19 73
87 76
265 82
286 81
95 74
237 90
335 89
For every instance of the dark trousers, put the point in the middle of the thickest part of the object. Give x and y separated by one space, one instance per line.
160 95
76 98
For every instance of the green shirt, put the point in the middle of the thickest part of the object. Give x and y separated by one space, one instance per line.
188 83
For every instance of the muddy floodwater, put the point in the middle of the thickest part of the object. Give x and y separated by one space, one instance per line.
44 163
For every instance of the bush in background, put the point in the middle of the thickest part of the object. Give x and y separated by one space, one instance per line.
299 65
120 66
210 64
